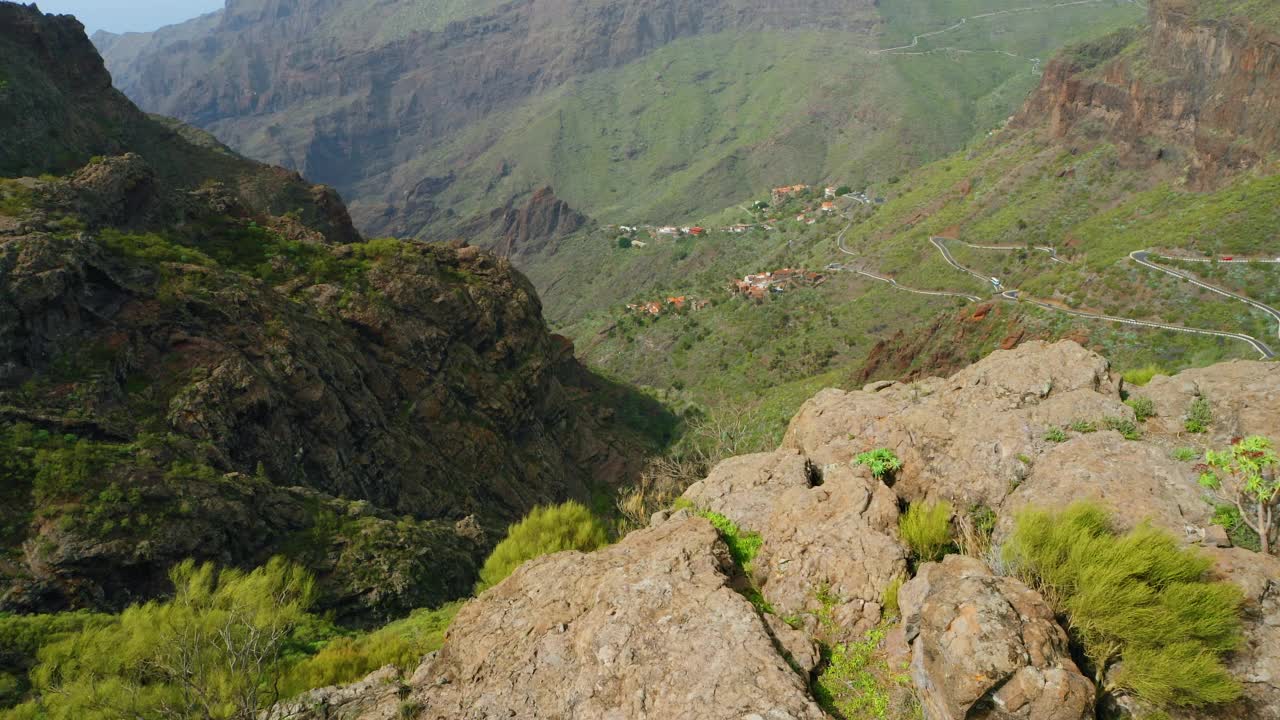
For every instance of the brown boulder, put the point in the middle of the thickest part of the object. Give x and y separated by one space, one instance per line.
837 541
967 438
745 489
1136 480
988 648
647 628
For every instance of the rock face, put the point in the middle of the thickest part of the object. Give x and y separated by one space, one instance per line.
647 628
653 627
1206 87
988 648
525 230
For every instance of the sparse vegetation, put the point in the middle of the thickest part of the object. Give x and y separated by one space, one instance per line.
1124 426
1083 426
882 462
1055 435
1199 416
545 530
926 529
743 545
1143 408
1137 597
857 684
1185 454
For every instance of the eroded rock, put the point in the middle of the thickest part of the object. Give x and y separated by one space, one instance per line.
987 647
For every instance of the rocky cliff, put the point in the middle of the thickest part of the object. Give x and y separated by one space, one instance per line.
221 368
652 627
1199 87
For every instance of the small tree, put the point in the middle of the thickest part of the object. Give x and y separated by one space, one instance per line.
1247 476
624 242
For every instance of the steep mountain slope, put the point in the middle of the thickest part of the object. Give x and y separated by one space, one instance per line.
190 367
806 606
428 117
1156 138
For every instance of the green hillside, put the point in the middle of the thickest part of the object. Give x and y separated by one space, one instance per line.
706 121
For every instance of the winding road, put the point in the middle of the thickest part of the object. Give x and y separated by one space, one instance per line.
1141 257
891 281
915 41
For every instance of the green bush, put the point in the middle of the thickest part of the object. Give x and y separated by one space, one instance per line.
1199 416
882 461
1231 520
1185 454
742 545
1143 408
1142 376
890 601
1137 597
857 681
926 529
348 658
545 530
215 650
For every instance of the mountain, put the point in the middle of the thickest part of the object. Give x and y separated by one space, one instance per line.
199 357
430 116
1156 138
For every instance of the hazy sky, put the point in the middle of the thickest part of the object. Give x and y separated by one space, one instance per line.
129 15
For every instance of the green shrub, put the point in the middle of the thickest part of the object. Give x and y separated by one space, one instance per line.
882 461
1142 376
1138 597
1199 416
1248 476
1055 435
216 649
544 531
1143 408
348 658
1243 536
1124 426
1185 454
856 681
926 529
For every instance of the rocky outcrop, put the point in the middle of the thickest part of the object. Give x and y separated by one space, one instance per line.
832 549
526 230
988 648
661 607
647 628
746 489
1196 88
